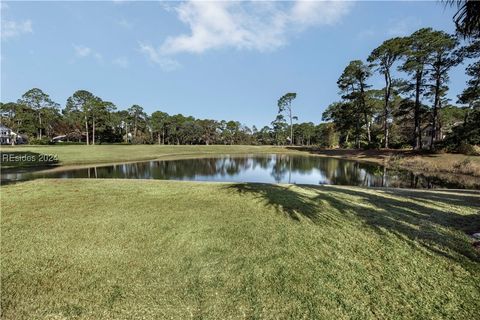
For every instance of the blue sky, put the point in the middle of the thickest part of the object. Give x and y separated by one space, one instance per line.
219 60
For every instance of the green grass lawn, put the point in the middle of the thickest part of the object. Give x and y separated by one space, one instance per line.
82 154
136 249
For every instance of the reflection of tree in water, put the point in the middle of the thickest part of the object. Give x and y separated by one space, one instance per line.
335 171
347 172
184 169
262 161
188 169
281 168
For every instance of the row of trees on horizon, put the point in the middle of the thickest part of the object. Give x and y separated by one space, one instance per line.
92 120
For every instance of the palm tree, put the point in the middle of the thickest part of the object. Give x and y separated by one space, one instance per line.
467 18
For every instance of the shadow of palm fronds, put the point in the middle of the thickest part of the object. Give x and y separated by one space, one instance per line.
287 199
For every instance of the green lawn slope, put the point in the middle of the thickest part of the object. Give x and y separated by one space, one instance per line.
136 249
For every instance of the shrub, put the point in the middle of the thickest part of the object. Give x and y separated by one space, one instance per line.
70 143
468 149
42 141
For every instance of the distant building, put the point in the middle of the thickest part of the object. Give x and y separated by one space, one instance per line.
74 136
61 138
6 135
440 133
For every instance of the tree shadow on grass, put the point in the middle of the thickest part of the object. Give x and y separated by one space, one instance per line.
469 198
410 216
283 199
424 219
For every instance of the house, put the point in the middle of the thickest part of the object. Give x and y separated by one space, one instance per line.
74 136
6 135
60 138
427 135
440 134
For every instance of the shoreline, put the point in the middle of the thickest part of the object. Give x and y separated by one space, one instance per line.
462 166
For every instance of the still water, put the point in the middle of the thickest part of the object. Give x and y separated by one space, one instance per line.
272 168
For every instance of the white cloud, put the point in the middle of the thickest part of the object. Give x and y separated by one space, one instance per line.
165 63
84 52
310 13
121 62
248 25
403 27
125 23
261 26
12 28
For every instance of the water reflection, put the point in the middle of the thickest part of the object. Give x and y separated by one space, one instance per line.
252 168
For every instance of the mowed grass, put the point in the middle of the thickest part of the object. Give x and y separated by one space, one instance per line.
94 154
137 249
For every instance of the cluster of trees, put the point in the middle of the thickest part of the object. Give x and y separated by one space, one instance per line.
412 107
89 118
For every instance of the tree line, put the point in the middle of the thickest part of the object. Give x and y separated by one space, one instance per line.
89 119
411 109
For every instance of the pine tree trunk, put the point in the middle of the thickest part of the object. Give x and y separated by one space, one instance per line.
367 122
39 125
388 82
435 112
365 115
291 125
357 130
93 131
86 130
417 145
135 128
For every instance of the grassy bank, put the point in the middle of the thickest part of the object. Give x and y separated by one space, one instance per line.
438 163
82 154
123 249
408 160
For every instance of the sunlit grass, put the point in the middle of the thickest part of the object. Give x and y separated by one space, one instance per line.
117 249
82 154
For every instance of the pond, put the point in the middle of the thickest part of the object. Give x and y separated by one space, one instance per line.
272 168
